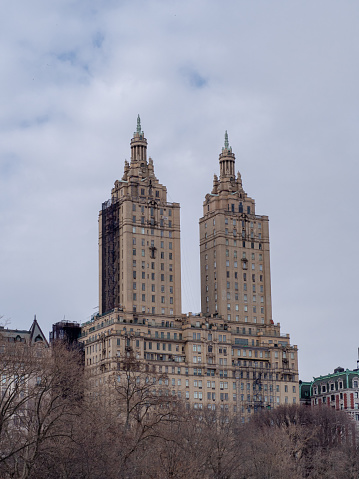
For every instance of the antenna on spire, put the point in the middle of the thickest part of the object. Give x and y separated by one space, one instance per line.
138 124
226 144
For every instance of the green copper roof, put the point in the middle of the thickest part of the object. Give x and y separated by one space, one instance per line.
138 124
226 144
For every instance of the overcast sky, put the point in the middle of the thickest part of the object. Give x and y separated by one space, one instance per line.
280 76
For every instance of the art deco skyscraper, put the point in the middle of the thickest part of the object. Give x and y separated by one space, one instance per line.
234 250
212 359
139 241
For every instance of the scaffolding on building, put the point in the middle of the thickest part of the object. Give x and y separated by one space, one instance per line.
110 256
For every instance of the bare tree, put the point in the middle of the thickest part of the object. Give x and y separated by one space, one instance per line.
41 393
141 402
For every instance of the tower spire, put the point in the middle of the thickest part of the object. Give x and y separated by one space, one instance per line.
226 159
139 144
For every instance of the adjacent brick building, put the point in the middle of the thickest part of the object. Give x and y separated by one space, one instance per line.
339 390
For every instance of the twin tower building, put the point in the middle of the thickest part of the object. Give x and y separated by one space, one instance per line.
230 356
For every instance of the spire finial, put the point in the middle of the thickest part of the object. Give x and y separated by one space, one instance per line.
138 124
226 144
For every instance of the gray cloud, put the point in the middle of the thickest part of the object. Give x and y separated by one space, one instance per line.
280 77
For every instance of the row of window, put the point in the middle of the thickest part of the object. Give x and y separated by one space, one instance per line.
323 388
170 278
153 309
165 346
153 298
235 277
162 335
235 265
234 232
143 251
234 222
151 222
153 287
134 192
152 210
254 287
235 244
143 275
245 309
135 230
253 255
164 357
241 397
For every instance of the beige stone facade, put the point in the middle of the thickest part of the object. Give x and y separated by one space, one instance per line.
234 249
230 356
139 241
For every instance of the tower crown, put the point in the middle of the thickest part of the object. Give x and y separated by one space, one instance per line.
138 145
227 159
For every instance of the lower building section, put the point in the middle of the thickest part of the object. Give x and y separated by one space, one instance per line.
206 362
